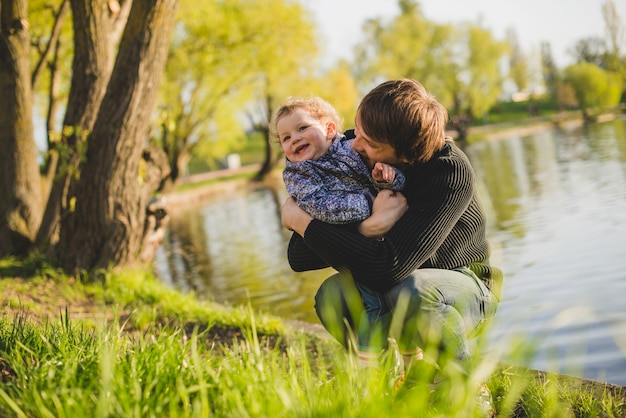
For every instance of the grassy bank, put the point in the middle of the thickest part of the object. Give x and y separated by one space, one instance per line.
126 345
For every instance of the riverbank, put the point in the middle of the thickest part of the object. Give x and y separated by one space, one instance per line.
125 344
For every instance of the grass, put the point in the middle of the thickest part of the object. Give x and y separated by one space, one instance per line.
126 345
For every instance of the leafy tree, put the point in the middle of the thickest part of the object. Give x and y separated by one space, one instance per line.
549 70
221 56
594 87
616 32
564 95
208 73
482 68
407 46
459 65
284 66
338 87
518 63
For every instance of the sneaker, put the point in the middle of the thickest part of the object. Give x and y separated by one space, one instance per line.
485 402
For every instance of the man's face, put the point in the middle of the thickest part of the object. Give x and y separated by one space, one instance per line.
372 151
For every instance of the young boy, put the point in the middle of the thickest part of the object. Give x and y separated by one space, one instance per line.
325 176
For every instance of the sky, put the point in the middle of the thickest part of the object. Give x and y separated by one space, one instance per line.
560 22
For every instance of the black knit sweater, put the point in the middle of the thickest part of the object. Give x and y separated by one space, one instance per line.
443 228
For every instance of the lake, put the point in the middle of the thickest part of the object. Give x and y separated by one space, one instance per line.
556 203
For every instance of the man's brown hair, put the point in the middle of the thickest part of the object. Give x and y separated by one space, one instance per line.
403 114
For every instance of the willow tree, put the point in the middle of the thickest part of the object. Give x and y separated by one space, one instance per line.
284 66
593 87
408 45
219 53
457 63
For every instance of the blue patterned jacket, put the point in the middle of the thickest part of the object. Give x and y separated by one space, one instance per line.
338 187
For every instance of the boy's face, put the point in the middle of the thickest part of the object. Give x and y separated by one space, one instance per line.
303 137
371 151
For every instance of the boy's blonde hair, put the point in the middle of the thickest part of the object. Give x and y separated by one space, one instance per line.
403 114
316 106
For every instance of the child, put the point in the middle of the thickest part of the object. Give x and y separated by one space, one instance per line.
325 176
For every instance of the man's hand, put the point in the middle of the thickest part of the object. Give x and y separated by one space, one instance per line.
388 207
294 218
383 173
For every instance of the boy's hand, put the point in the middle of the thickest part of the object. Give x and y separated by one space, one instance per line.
383 173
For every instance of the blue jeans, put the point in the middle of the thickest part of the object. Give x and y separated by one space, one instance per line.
437 310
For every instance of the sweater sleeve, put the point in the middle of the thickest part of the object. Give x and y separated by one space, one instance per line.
437 198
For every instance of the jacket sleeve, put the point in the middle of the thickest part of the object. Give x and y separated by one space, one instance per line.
326 198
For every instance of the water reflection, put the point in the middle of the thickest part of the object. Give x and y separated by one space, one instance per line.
556 203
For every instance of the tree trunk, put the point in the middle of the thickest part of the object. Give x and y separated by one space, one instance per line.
20 192
268 161
94 39
108 225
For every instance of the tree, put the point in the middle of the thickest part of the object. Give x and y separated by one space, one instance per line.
108 174
482 66
284 66
550 72
220 58
594 87
96 30
459 65
591 49
208 71
107 225
407 46
337 86
615 32
20 190
518 63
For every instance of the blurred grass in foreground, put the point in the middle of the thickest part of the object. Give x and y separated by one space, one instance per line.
148 350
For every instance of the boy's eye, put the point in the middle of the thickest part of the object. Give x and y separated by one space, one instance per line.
302 128
285 139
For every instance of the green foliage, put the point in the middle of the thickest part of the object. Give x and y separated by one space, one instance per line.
485 81
594 87
41 16
459 64
226 57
